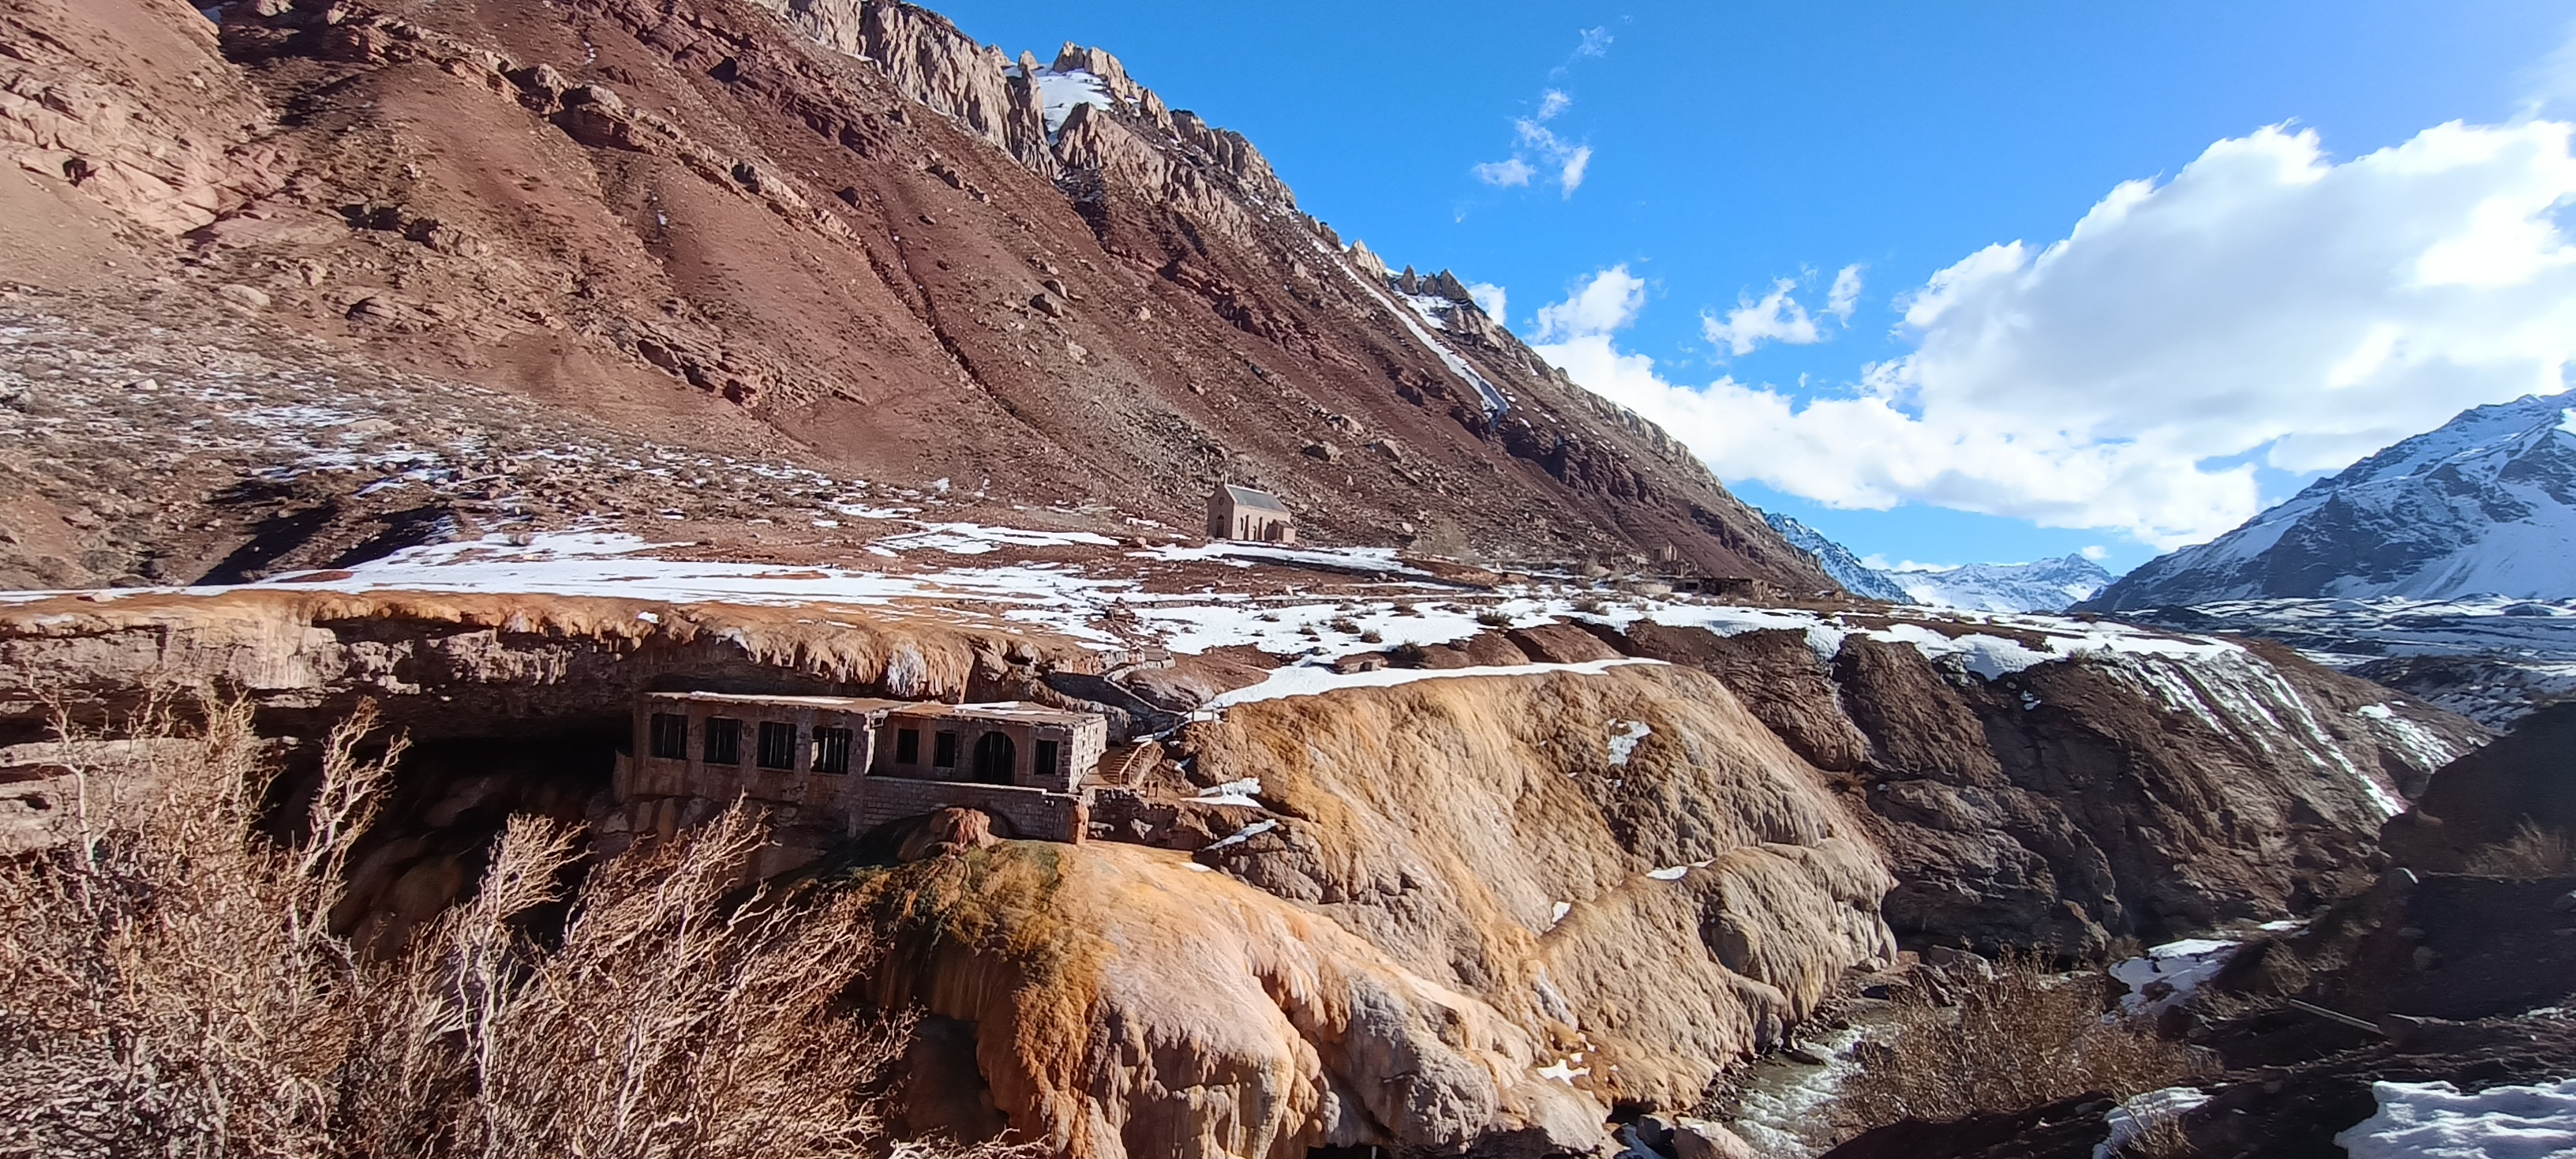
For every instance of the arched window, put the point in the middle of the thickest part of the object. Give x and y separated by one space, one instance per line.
996 759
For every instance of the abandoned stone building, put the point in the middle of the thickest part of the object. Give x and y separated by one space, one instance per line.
1243 513
831 765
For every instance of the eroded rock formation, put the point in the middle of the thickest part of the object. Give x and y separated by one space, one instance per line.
2071 803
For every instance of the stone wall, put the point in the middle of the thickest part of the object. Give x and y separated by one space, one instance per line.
1030 813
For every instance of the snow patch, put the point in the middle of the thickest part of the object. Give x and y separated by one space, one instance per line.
1307 680
2169 973
2436 1121
1059 92
1244 834
1240 793
2131 1120
1624 738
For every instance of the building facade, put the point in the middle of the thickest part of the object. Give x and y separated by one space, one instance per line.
1243 513
848 764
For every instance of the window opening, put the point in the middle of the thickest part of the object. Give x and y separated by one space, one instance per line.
670 736
995 758
832 750
724 741
777 745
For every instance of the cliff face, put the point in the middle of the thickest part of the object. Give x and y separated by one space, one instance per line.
2117 795
838 234
1458 913
1629 857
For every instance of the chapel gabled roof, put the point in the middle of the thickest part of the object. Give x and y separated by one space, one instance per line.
1257 500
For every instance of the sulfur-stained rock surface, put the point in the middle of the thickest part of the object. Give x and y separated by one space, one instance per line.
1126 1002
1630 857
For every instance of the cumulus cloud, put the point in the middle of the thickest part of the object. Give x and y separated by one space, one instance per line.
1552 102
2267 305
1605 305
1778 317
1509 172
1490 298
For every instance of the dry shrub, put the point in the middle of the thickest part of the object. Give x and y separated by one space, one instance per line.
2025 1038
169 986
2531 852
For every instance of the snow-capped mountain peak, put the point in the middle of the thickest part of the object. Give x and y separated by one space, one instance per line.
2047 585
2484 505
1858 578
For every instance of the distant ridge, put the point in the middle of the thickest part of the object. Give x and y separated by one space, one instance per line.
2485 505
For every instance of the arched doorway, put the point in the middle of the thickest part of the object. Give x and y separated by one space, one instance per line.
995 758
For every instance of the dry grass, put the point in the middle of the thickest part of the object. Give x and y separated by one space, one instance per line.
2531 852
169 986
2026 1038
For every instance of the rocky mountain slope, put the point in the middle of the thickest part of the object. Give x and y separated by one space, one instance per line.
842 235
495 361
2048 585
2486 505
1858 578
2491 659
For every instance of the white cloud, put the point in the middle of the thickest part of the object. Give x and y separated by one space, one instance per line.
2096 552
1596 42
1776 318
1845 296
1607 303
1490 298
2266 305
1509 172
1534 145
1570 174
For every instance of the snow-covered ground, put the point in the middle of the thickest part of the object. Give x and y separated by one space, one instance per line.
2490 658
1312 680
1309 605
2436 1121
2344 632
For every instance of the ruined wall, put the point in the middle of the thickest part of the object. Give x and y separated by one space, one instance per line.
1030 813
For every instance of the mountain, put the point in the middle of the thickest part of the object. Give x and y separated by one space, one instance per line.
838 233
2047 585
1858 578
2486 505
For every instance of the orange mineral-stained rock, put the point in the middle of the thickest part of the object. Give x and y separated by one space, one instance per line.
1128 1002
1629 859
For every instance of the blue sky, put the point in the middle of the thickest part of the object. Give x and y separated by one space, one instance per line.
1728 146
